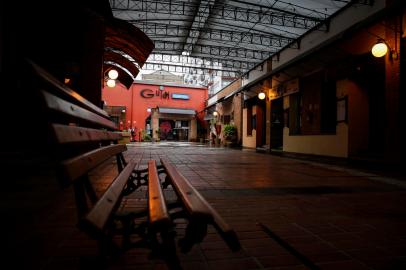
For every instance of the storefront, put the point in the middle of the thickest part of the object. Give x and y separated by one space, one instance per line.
173 124
157 111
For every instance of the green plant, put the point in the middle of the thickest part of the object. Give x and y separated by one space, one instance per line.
145 136
229 130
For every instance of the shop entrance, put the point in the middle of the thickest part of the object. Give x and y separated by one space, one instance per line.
367 109
173 130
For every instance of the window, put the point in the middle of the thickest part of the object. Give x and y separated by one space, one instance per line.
294 114
226 119
310 109
315 111
254 121
328 107
249 121
115 119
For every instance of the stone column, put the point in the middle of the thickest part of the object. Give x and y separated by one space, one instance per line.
193 130
154 123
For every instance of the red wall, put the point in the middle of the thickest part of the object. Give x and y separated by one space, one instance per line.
136 105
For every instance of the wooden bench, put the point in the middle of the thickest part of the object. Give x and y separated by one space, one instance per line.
85 138
198 211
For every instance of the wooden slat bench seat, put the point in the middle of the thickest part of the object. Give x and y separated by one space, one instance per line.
158 213
200 213
84 140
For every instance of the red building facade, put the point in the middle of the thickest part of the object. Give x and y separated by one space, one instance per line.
149 108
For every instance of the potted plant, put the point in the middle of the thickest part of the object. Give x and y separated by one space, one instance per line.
230 133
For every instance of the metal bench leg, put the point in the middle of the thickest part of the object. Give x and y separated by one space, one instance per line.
195 231
169 249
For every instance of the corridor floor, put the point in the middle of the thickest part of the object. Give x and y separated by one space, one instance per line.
335 218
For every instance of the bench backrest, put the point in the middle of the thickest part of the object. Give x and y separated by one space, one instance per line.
83 136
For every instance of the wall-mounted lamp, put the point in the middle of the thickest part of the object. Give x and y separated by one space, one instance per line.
111 77
380 48
215 113
149 110
113 74
111 83
261 95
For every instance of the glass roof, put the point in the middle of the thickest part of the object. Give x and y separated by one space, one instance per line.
231 36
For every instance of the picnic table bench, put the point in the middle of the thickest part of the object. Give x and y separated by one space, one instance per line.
85 138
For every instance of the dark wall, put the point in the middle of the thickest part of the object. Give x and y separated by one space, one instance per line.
64 37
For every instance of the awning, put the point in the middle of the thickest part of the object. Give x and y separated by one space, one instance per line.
176 111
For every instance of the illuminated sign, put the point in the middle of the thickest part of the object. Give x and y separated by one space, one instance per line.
180 96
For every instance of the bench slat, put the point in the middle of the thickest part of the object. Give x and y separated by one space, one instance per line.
57 104
158 213
65 90
75 167
73 134
97 218
193 201
225 230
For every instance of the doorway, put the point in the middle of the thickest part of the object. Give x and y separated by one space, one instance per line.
367 109
260 123
276 140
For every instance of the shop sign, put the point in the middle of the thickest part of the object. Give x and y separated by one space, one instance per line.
148 93
180 96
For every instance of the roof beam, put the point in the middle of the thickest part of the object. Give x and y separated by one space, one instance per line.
198 61
239 53
270 16
154 30
191 70
202 12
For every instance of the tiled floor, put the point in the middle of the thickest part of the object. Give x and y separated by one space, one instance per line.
333 217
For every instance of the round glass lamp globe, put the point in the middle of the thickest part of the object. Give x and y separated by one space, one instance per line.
113 74
261 95
111 83
379 49
215 113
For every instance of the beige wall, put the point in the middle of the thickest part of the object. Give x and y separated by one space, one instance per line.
327 145
336 145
